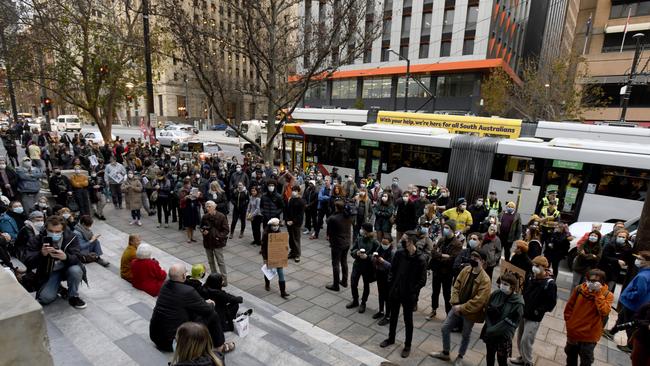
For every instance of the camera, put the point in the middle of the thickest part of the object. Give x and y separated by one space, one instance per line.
625 326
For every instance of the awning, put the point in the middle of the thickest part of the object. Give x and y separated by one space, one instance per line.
630 28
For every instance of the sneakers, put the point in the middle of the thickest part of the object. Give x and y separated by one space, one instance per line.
431 315
296 259
458 361
440 355
385 343
333 288
77 303
516 360
102 262
384 321
362 308
132 222
379 314
138 222
305 232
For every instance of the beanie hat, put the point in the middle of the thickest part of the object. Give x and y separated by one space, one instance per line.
198 270
522 245
541 261
451 224
36 215
274 222
460 201
367 227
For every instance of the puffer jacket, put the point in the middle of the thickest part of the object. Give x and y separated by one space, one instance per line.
271 205
503 313
584 313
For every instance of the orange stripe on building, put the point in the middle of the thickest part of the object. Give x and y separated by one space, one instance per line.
503 17
495 12
492 40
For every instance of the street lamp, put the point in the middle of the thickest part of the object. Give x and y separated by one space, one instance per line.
628 86
408 75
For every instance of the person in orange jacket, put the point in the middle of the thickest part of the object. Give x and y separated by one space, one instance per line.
585 311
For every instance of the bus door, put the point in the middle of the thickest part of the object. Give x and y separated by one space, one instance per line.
569 179
293 153
369 159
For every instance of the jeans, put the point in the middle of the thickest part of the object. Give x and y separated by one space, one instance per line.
217 253
579 349
445 281
452 321
407 305
135 214
354 283
90 247
116 194
48 292
162 205
526 338
294 240
238 215
255 227
340 263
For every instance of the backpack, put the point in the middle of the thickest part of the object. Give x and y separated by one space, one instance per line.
350 209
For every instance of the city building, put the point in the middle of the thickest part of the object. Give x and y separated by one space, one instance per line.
451 45
608 52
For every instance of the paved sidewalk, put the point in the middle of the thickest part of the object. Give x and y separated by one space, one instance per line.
114 328
314 304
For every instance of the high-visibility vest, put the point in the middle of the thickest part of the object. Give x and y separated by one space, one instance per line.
433 191
554 215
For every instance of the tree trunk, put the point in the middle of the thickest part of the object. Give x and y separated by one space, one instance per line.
272 90
643 233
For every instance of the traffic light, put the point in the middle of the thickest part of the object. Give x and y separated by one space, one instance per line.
47 104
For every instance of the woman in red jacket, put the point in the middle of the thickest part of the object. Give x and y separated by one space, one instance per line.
147 274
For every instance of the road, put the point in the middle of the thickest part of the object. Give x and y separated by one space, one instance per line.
228 144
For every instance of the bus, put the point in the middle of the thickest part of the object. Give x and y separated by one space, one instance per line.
597 179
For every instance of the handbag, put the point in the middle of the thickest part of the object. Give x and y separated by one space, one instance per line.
154 196
241 325
249 216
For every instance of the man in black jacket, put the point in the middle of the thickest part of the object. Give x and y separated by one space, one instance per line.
55 254
293 216
60 187
540 297
339 234
271 203
408 274
311 202
179 303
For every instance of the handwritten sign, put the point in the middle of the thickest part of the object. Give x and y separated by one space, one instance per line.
278 250
519 273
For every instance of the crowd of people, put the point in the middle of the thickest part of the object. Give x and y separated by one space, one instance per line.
395 235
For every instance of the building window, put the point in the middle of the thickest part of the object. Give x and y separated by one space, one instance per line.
386 30
344 89
160 105
472 17
385 54
388 5
367 55
445 48
374 88
181 106
460 85
468 46
612 41
425 30
404 51
408 3
424 50
634 8
415 90
448 21
316 91
406 27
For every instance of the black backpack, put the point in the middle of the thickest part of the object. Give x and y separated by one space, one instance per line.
350 209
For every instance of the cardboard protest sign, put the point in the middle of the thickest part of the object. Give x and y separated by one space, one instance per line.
518 272
278 250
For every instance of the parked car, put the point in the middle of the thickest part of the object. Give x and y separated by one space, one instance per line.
219 127
579 229
230 132
173 137
187 128
96 137
67 122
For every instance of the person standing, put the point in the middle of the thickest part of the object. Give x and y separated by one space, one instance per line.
503 312
540 297
311 202
29 184
616 257
293 216
405 218
479 213
163 189
214 227
8 180
115 174
339 234
441 264
384 211
324 196
587 258
364 212
363 251
382 263
558 246
509 228
273 227
96 185
585 312
254 214
239 199
271 203
132 188
470 296
493 204
491 246
408 274
191 212
460 215
79 183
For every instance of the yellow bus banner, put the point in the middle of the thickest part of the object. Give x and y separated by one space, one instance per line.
482 126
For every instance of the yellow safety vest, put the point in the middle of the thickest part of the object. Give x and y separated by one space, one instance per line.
554 215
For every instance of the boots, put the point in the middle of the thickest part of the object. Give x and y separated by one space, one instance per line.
283 288
267 284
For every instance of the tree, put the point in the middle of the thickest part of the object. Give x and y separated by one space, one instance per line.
546 92
284 51
89 52
643 234
8 29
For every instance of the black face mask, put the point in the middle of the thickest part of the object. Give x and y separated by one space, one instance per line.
473 263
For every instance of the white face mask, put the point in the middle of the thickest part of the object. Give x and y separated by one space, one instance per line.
3 166
271 188
593 238
384 199
537 270
637 263
39 225
238 169
294 194
505 288
130 175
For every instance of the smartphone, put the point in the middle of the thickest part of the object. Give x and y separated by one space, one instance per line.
48 241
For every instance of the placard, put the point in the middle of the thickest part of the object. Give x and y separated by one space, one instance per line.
278 250
518 272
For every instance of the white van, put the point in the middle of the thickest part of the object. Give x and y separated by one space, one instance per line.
68 122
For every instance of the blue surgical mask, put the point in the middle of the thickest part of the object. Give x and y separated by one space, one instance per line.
473 243
18 210
385 246
446 232
424 230
510 210
55 236
619 240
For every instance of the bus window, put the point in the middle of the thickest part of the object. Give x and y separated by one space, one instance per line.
625 183
416 157
332 151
